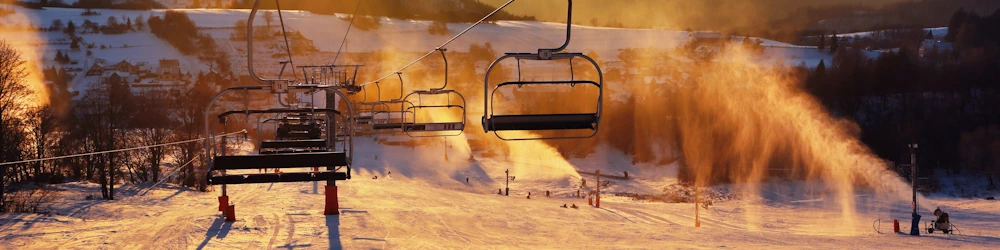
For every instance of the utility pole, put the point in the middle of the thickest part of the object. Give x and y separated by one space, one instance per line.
915 226
506 185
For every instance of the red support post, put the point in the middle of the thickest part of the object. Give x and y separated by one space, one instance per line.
332 205
597 200
223 202
230 213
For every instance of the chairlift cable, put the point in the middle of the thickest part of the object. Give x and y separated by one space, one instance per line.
445 44
349 26
288 46
118 150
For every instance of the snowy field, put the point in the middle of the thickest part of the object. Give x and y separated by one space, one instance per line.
428 205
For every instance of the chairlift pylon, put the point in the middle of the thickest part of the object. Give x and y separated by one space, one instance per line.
337 161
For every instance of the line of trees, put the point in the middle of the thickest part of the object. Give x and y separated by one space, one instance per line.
425 10
108 116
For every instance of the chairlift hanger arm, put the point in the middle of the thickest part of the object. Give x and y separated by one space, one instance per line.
569 32
250 68
445 58
400 75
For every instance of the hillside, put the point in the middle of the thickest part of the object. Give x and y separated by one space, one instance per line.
394 35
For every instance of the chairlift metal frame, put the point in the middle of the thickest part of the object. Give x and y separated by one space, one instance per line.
417 129
543 122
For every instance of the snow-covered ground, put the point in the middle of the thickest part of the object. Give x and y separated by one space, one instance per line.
425 203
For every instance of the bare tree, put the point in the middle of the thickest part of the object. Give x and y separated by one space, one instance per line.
42 122
189 109
152 127
268 18
13 90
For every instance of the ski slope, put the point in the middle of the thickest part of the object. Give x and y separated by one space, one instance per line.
417 207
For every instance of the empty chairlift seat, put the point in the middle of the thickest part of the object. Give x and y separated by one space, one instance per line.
557 121
542 122
301 144
279 161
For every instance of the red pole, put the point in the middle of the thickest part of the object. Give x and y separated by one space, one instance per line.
332 205
230 213
223 202
597 200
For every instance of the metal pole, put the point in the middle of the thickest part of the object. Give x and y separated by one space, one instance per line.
222 152
915 225
913 176
506 185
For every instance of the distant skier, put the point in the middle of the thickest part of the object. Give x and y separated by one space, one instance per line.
563 206
547 193
375 178
574 206
626 174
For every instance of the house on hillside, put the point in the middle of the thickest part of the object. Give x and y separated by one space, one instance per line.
125 66
170 70
124 77
95 70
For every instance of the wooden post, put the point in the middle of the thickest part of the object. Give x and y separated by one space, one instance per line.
697 219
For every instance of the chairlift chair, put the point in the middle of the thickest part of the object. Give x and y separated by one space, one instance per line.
497 123
415 128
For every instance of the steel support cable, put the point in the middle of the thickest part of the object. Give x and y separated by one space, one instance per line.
445 44
119 150
167 177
